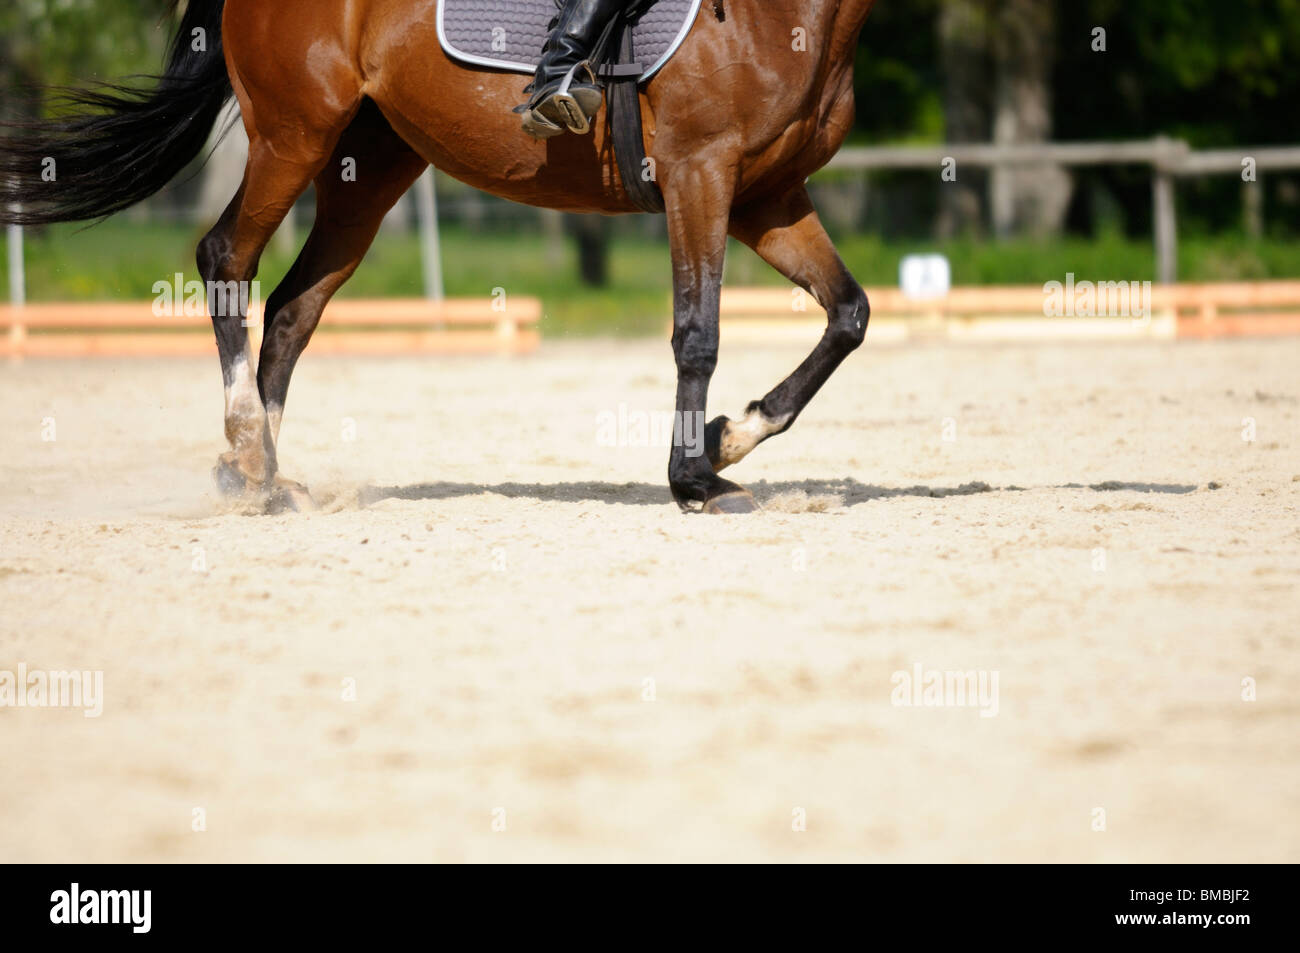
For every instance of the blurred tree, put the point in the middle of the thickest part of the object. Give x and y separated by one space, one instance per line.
1020 70
1217 75
592 233
1214 73
897 77
963 28
63 42
1024 198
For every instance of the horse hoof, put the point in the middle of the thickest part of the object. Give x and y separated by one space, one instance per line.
289 497
230 482
735 502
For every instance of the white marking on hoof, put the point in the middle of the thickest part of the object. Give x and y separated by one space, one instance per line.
246 423
242 399
739 437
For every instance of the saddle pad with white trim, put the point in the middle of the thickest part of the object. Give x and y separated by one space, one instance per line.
509 34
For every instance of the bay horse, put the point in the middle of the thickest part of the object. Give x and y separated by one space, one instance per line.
758 97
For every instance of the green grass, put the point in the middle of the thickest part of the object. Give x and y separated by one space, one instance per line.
123 260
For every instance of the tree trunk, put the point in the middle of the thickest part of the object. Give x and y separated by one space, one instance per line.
1025 198
592 233
963 43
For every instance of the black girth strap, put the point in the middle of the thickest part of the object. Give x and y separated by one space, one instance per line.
624 112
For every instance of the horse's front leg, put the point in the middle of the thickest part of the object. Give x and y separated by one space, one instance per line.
788 235
698 205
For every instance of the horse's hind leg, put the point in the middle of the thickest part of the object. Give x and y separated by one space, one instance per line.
788 235
348 216
228 258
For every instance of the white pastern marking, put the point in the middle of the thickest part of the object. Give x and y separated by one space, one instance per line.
242 399
245 418
739 437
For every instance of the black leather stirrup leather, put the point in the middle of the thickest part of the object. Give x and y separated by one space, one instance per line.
623 105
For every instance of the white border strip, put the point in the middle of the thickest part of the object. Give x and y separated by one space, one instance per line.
687 25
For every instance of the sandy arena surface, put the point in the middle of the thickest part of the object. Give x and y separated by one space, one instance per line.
538 640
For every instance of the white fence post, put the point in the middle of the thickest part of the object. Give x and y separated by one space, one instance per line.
17 275
1169 158
1166 229
430 247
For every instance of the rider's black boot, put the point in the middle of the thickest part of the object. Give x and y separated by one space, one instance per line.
564 92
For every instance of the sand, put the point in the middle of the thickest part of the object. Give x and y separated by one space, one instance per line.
500 641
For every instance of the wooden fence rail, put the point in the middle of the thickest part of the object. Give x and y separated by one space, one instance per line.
1169 160
1181 311
376 327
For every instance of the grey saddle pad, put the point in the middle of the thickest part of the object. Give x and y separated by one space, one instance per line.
509 34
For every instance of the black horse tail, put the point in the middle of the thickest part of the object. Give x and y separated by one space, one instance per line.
114 146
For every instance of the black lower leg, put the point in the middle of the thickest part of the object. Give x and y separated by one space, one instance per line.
726 441
846 328
695 346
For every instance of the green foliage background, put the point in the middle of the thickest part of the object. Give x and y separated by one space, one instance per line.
62 42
